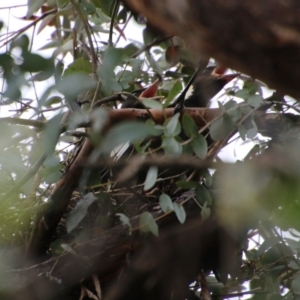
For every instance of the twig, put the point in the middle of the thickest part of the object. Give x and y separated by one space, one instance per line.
88 33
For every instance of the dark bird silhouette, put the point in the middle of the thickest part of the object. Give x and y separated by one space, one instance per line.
206 86
202 87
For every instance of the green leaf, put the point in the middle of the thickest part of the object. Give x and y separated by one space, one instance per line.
221 127
112 58
180 212
187 185
79 212
175 90
122 16
106 6
150 178
251 87
165 203
51 134
252 132
73 85
199 145
52 172
79 65
124 219
233 110
171 146
242 131
124 78
189 126
244 94
154 104
208 178
136 65
88 7
125 132
148 35
148 224
53 100
67 248
205 212
99 117
77 117
172 126
130 50
255 101
36 63
155 130
202 195
34 6
22 42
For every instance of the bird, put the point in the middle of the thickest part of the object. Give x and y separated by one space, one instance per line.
202 87
135 99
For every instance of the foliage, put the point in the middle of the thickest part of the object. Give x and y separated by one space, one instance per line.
42 134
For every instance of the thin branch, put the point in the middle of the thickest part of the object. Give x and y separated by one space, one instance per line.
111 28
26 122
28 26
88 33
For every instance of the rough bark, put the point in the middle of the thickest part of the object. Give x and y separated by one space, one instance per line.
259 38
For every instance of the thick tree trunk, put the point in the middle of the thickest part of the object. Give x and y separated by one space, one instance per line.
259 38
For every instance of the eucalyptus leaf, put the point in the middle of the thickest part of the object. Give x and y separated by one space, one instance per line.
33 6
80 65
151 103
255 100
165 203
187 185
251 133
155 130
171 125
242 132
148 224
124 219
244 94
203 195
112 58
67 248
175 90
180 212
125 132
51 134
74 84
221 127
79 212
199 145
171 146
150 178
205 212
189 126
